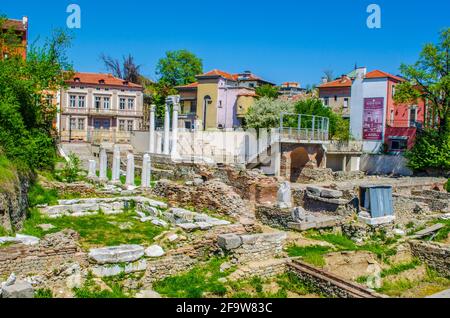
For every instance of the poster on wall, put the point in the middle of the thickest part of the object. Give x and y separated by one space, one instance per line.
373 119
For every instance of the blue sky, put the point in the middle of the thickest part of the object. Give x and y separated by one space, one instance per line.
279 40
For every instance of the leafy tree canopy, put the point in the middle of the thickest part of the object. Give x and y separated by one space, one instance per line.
265 112
267 90
179 68
26 118
429 78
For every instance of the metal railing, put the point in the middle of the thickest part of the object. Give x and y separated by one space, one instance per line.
101 111
300 127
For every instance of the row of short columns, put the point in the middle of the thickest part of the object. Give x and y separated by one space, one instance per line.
158 146
130 170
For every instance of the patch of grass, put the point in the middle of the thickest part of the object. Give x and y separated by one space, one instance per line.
3 231
310 254
43 293
91 290
342 243
196 282
399 268
430 284
291 282
38 195
7 171
96 230
443 233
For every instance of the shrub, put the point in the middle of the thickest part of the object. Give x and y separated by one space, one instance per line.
447 185
71 170
431 151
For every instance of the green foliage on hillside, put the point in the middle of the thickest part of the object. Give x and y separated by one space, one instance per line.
26 133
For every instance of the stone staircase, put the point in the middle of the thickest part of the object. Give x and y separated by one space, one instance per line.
81 150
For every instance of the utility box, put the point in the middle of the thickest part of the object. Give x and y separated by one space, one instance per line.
376 204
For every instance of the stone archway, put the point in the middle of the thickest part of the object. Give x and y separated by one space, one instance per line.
299 159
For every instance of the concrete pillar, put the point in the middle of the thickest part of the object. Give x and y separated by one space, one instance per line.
116 164
146 172
167 131
151 135
130 170
174 152
103 165
92 169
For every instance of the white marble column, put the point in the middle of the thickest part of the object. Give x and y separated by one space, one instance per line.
151 135
130 170
103 165
174 152
92 169
146 172
116 165
167 131
159 143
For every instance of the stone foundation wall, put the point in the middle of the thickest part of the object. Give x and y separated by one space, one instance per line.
259 247
53 252
185 257
436 255
274 216
267 269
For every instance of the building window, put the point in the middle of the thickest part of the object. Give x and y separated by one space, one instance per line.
220 104
122 104
130 125
130 103
194 106
399 144
121 124
81 101
98 101
326 101
346 102
412 116
391 118
106 102
335 98
393 90
73 101
73 124
80 123
251 85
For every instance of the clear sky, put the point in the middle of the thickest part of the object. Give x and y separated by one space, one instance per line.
278 40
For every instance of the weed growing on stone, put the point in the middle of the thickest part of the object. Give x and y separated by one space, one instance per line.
91 289
38 195
43 293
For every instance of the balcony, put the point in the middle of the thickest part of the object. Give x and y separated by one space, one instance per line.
102 112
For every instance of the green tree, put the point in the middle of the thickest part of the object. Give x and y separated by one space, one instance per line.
338 127
429 79
267 90
26 133
179 68
265 113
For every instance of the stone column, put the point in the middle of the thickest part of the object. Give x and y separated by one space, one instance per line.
159 143
92 169
116 165
174 152
130 171
146 172
167 131
151 146
103 165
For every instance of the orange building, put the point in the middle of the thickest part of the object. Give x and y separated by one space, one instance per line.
15 47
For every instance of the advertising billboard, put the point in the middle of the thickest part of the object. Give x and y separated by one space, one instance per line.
373 119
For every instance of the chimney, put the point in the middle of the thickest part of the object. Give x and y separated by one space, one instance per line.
324 80
25 22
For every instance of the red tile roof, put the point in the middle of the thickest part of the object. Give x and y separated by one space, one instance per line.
192 85
341 82
97 78
218 73
381 74
14 24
